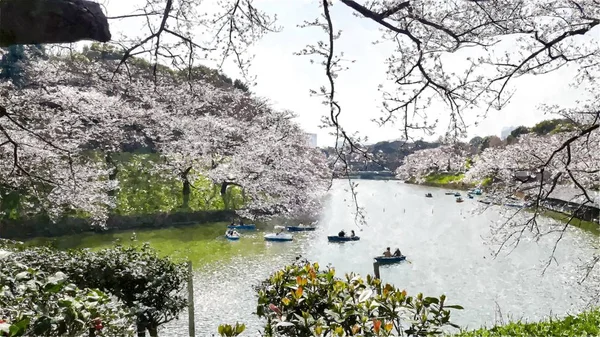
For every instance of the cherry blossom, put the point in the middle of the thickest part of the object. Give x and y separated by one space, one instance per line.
577 165
59 130
448 158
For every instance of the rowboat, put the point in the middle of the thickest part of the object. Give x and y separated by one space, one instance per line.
449 193
457 194
390 260
470 196
278 237
301 228
233 237
244 226
337 238
428 195
459 199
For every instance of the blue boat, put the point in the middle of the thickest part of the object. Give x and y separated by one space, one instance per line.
457 194
337 238
245 226
487 202
300 228
476 191
390 260
278 237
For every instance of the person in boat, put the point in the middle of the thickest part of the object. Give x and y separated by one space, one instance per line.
352 234
398 253
280 231
387 252
342 234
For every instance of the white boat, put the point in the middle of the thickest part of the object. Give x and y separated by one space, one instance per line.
232 236
278 237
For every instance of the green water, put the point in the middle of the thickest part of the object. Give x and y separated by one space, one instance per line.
202 244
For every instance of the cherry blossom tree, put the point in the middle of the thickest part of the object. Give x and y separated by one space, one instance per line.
276 167
46 128
63 125
549 163
446 158
578 164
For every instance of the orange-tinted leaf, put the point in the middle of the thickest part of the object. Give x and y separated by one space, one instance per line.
313 274
376 325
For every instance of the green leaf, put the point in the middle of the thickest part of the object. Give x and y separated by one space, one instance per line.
19 328
239 328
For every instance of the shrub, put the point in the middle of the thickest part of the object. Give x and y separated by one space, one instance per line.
584 324
150 286
302 300
34 303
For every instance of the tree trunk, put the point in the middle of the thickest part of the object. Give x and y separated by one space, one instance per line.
141 329
224 186
113 174
186 191
51 21
153 330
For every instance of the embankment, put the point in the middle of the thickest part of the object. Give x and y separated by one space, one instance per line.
42 226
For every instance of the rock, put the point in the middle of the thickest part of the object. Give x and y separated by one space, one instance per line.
51 21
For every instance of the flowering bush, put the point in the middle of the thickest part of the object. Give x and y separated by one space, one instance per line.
303 300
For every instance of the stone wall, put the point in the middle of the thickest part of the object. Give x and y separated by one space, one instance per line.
584 212
42 226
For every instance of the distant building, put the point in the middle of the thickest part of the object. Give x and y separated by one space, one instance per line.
312 139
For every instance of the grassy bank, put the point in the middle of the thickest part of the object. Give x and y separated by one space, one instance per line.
564 218
584 324
445 180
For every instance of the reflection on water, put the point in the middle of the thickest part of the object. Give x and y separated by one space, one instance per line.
442 239
443 242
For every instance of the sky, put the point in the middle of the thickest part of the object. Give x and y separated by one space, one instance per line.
285 79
